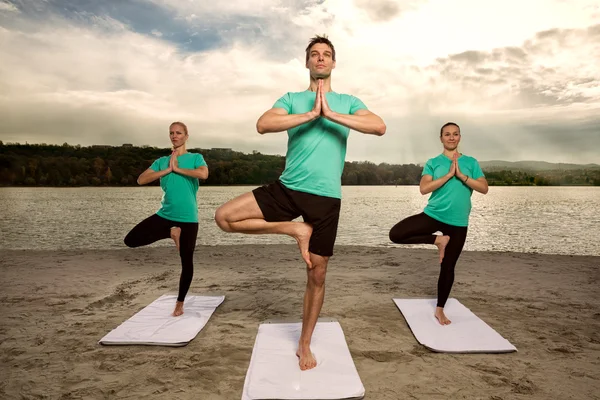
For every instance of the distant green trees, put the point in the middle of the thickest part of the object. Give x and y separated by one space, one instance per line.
557 177
368 173
67 165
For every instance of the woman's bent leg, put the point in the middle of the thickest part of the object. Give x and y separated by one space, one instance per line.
148 231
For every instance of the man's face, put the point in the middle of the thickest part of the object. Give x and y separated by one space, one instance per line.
320 61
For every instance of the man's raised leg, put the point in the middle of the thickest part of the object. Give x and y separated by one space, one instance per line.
243 215
313 301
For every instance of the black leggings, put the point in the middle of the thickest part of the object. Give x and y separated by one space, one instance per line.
419 229
156 228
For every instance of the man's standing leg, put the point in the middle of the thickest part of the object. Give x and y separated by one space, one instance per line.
323 213
313 302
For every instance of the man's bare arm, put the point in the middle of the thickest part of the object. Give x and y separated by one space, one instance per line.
363 121
278 120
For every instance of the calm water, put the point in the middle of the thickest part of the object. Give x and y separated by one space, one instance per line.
555 220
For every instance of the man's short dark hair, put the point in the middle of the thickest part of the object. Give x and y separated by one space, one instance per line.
320 39
449 124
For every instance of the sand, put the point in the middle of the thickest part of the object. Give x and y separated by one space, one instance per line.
58 304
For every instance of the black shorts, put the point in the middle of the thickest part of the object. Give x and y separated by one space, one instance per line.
278 203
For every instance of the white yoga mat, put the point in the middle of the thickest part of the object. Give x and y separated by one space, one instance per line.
274 372
466 334
154 324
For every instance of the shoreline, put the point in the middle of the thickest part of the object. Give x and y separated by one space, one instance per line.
338 249
61 302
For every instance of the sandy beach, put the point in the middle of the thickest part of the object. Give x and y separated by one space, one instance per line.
58 304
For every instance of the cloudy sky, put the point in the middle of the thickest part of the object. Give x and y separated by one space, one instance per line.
522 78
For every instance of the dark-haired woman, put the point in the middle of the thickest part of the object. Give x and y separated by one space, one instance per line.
451 178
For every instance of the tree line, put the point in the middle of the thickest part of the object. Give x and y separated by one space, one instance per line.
68 165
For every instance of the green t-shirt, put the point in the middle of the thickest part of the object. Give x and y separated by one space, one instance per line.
316 150
451 203
179 199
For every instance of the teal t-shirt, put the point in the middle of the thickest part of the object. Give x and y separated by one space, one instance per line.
316 150
179 198
451 203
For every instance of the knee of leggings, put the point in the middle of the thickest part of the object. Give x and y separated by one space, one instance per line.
391 237
394 235
128 242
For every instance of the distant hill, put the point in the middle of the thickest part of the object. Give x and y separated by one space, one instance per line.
533 166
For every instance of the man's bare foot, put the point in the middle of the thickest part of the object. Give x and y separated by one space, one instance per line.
307 358
441 317
175 234
302 236
178 309
441 242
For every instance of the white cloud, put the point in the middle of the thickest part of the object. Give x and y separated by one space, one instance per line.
255 8
8 6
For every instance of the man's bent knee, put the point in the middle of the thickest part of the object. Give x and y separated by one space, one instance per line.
221 220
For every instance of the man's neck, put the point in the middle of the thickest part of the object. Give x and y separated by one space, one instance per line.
315 82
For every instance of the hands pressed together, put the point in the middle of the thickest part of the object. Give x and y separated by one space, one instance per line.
455 170
173 165
321 107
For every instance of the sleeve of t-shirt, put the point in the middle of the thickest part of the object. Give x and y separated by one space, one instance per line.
356 104
284 102
427 169
199 161
156 165
477 172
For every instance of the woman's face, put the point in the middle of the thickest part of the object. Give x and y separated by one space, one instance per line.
450 137
177 135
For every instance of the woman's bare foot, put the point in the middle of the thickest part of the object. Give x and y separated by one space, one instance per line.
178 309
302 236
441 242
175 234
307 358
441 317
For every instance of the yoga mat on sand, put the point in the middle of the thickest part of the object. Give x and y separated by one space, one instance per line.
154 324
466 334
274 372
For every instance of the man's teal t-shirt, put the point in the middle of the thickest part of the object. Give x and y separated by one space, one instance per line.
451 203
316 150
179 199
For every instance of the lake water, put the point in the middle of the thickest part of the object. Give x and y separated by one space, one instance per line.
552 220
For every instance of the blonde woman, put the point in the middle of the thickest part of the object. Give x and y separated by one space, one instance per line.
178 216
